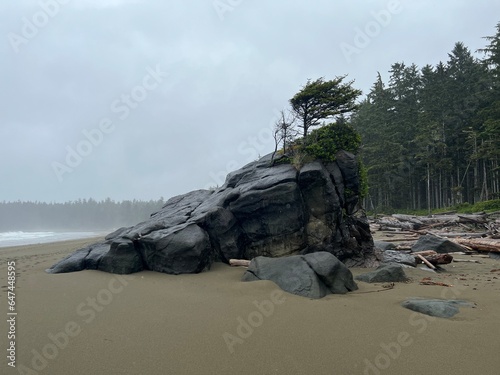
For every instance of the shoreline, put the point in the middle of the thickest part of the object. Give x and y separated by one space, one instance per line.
49 238
212 323
57 247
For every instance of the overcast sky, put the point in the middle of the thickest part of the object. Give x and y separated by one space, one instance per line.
142 99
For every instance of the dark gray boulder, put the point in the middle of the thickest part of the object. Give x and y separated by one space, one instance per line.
438 244
121 258
96 253
398 257
332 272
312 275
388 254
292 274
261 210
87 258
73 262
183 249
383 245
436 307
226 235
384 274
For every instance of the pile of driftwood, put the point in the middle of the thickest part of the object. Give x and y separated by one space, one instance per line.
448 224
479 232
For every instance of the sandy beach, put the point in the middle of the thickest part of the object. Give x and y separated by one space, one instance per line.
92 322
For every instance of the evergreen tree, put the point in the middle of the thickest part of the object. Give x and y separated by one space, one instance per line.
490 117
321 100
431 137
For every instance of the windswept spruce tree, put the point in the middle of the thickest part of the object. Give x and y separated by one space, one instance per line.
322 103
320 100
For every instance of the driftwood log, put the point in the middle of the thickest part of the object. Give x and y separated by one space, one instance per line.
239 262
399 239
428 281
392 222
426 262
432 257
439 259
469 235
466 260
479 244
425 253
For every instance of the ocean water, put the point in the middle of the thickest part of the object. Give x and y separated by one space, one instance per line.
31 238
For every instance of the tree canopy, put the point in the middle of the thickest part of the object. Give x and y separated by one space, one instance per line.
431 135
319 100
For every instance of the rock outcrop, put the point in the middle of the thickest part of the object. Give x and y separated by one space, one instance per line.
436 243
261 210
312 275
398 257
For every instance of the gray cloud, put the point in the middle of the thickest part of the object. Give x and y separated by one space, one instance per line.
225 80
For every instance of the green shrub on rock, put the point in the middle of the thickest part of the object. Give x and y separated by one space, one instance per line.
324 143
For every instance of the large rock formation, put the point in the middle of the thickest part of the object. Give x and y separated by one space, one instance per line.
263 209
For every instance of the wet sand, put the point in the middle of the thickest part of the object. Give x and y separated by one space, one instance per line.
91 322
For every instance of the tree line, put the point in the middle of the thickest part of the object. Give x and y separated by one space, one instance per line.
80 215
431 135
